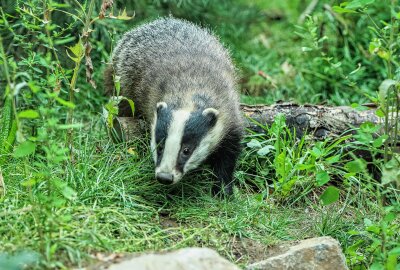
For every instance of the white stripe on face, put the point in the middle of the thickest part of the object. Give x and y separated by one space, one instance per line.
173 144
153 145
205 147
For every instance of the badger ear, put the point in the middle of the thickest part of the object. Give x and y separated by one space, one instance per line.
211 115
209 111
161 105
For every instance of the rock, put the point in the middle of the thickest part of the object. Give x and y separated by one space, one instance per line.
187 258
323 253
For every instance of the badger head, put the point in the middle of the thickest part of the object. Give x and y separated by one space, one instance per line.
181 139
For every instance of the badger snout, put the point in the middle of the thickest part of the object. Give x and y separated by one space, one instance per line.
165 178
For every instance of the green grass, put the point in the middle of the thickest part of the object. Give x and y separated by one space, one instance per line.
120 207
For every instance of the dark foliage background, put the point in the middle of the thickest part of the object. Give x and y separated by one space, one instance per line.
325 59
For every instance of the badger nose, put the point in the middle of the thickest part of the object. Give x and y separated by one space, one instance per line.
165 178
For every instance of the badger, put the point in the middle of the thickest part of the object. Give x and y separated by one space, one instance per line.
183 83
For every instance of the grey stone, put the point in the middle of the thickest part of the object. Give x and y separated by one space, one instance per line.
323 253
183 259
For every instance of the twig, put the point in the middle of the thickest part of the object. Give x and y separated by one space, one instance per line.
310 8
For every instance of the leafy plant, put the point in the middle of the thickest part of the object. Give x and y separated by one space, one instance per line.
43 114
300 165
377 245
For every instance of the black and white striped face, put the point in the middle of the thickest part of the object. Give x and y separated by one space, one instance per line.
182 139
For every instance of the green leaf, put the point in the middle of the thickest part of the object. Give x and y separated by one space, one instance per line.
355 4
376 266
333 159
395 251
57 201
389 217
34 88
373 229
112 107
302 167
254 144
65 103
391 262
380 113
110 122
65 190
369 127
322 178
316 151
353 248
384 54
117 84
356 166
379 141
362 137
341 10
77 50
353 232
30 114
110 110
265 150
374 45
131 104
68 193
124 16
330 195
24 149
62 41
29 183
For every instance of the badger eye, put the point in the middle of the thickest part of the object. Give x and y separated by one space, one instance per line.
186 151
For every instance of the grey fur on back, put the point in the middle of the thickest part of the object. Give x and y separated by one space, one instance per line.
170 60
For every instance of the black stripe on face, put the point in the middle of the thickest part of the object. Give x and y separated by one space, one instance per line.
163 121
195 130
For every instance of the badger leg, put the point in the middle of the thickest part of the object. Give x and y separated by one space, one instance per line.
223 162
223 168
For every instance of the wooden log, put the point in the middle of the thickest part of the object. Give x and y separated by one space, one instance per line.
316 120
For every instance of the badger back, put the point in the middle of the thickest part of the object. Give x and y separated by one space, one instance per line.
168 60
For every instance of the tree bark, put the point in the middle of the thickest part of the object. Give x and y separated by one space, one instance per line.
316 120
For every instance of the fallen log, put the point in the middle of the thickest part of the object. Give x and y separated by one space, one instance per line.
316 120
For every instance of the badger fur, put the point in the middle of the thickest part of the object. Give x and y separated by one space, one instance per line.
183 84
